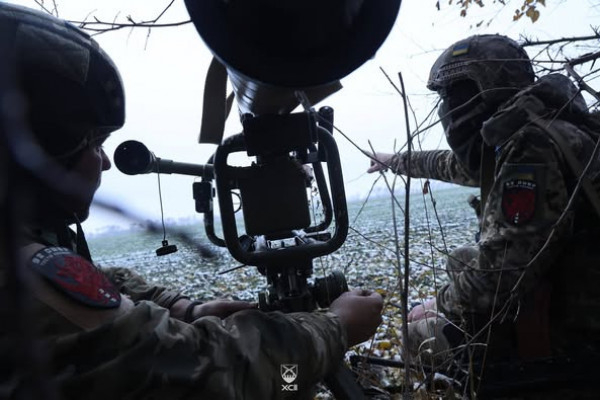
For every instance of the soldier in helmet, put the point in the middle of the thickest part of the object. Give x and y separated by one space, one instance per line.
527 290
472 84
151 342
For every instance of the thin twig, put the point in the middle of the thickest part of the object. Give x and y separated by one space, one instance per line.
99 26
164 11
404 292
55 8
529 42
582 84
115 27
43 7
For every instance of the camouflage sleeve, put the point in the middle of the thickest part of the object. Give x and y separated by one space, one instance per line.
519 237
136 287
441 165
144 354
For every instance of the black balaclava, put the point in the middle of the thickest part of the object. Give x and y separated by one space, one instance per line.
462 113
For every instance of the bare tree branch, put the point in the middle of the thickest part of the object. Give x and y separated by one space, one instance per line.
55 8
580 81
569 40
98 26
164 11
42 6
103 27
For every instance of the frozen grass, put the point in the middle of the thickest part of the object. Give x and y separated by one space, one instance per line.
368 259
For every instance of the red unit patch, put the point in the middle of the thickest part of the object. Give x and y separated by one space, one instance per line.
518 201
76 277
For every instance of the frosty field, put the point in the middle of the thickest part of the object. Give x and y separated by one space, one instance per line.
368 257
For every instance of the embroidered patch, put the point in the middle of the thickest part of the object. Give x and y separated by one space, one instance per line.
460 49
519 197
76 277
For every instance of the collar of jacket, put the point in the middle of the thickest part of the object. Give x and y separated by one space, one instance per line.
509 119
552 96
62 237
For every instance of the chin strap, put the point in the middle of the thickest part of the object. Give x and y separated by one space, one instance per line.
81 246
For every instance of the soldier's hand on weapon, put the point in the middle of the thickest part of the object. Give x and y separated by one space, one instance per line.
422 311
220 308
360 313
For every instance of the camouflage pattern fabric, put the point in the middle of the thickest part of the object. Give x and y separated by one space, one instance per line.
526 237
142 353
139 352
528 242
522 231
136 288
442 165
428 345
126 280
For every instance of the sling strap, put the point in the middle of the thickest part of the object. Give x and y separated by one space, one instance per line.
216 104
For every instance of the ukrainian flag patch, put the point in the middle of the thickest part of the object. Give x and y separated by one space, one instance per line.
460 49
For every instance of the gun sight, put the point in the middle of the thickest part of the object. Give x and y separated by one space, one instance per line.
134 158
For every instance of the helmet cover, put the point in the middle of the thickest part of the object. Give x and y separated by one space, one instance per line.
73 90
491 61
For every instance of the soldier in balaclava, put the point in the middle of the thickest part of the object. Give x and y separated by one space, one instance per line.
526 290
473 78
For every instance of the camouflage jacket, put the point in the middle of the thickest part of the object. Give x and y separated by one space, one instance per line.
526 235
126 280
441 165
103 345
136 288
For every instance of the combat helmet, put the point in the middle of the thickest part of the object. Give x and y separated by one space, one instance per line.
72 89
491 61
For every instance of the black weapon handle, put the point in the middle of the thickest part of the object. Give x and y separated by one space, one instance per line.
343 384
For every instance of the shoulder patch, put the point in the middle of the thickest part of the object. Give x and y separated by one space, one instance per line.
519 192
76 277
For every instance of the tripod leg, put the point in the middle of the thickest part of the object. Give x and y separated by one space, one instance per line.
343 385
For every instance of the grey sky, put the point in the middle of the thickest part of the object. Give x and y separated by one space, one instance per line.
164 74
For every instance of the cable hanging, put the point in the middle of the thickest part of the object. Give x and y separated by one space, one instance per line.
166 248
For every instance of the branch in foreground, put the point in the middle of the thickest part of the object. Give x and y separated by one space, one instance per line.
102 27
571 71
530 42
98 26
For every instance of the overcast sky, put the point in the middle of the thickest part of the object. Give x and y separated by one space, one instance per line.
164 74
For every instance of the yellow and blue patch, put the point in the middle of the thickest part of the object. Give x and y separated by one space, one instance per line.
460 49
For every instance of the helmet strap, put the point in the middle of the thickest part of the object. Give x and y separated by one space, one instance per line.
80 242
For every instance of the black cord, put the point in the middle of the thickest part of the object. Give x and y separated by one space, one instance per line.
162 214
